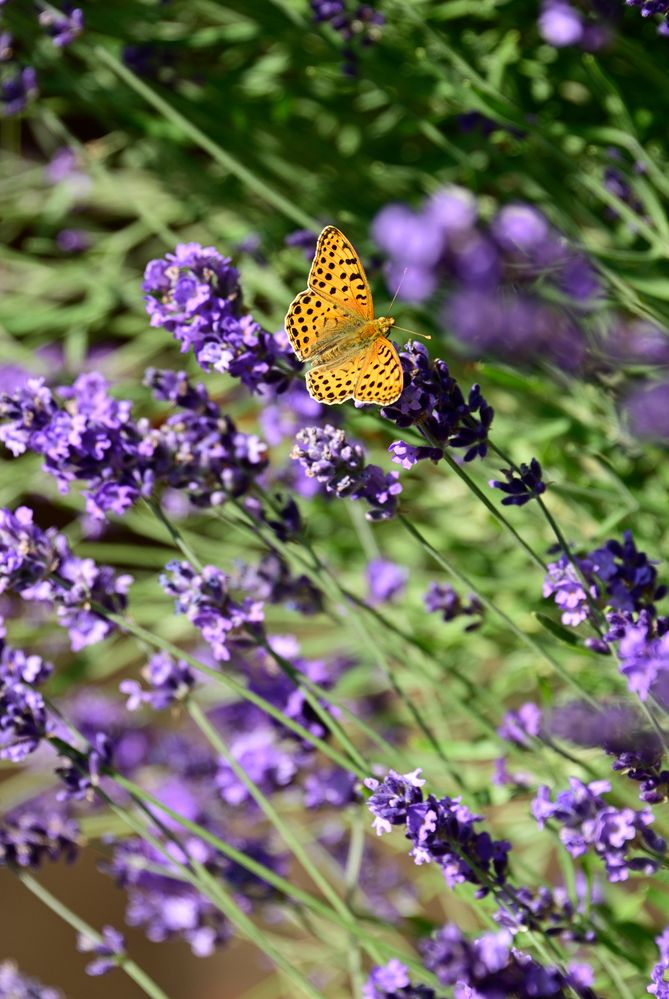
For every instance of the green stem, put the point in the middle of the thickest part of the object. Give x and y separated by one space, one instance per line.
298 851
259 186
526 639
127 965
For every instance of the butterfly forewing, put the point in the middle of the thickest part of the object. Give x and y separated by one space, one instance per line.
381 379
313 322
338 273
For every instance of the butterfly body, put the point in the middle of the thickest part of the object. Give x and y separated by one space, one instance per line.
332 325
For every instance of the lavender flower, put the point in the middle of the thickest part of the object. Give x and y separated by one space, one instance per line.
206 601
170 682
391 981
28 837
521 726
495 304
490 966
560 24
646 411
62 28
268 765
648 8
442 599
82 777
386 581
170 908
617 576
15 985
588 823
23 718
327 456
644 660
17 91
93 438
360 26
27 554
659 986
109 950
440 830
303 239
433 402
272 582
195 294
521 485
40 566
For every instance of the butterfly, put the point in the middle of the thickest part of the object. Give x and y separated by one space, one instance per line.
331 324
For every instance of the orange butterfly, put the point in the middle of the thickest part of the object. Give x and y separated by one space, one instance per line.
332 325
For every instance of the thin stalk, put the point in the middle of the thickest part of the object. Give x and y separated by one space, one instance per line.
175 534
293 843
126 964
225 680
260 187
526 639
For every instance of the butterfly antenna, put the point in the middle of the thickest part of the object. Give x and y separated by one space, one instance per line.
425 336
404 274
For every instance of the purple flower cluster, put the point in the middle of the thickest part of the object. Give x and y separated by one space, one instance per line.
30 836
646 411
39 566
522 484
441 831
659 986
589 823
550 911
432 401
92 438
621 732
23 718
18 83
195 294
442 599
62 28
521 726
170 682
14 985
617 576
561 25
358 27
108 950
272 582
327 456
649 8
82 776
386 581
205 599
495 305
391 981
169 907
643 650
490 966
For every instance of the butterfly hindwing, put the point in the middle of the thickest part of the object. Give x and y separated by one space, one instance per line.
312 322
381 379
338 274
330 384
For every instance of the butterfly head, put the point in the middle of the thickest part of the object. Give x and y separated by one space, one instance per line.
384 323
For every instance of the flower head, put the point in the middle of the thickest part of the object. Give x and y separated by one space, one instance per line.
195 294
327 455
108 950
589 823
